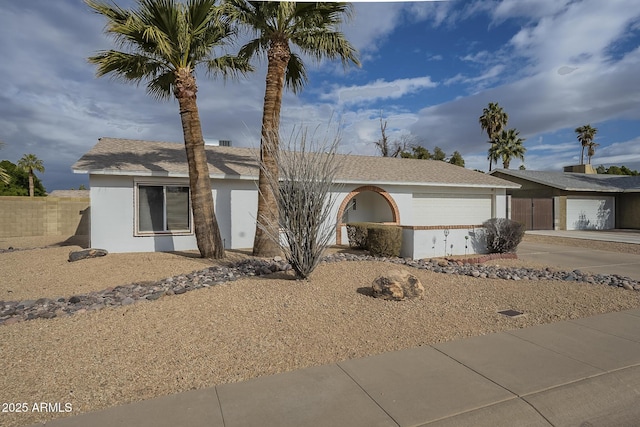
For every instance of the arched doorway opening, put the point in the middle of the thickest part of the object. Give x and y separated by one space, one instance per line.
366 204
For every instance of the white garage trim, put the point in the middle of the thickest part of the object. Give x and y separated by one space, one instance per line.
590 213
451 209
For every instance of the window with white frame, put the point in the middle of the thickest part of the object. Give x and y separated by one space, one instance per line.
163 209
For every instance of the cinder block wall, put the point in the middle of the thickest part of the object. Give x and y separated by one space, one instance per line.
43 216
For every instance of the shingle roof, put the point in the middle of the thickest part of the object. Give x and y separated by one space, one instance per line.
113 156
570 181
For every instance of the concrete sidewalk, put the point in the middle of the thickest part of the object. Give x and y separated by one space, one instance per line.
579 372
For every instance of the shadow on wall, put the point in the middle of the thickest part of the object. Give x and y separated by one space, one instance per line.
599 223
81 237
478 240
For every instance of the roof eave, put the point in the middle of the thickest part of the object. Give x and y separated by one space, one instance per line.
426 184
118 172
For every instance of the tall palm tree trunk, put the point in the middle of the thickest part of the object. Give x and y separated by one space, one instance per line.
205 223
31 184
278 57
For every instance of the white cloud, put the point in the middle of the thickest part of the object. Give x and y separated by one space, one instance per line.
377 90
528 8
487 77
579 35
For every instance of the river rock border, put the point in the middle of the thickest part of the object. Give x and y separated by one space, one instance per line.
44 308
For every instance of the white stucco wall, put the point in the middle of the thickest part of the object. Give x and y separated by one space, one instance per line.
113 218
235 201
244 208
420 244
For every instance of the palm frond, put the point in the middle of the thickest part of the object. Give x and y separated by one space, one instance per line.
321 43
162 36
160 87
229 66
255 48
127 66
4 176
296 74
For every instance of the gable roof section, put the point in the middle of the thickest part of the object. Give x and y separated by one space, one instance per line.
569 181
111 156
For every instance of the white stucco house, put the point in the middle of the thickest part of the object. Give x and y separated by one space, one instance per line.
140 198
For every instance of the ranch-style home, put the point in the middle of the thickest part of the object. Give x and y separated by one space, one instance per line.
576 199
140 198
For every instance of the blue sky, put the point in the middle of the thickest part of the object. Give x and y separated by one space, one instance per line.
428 67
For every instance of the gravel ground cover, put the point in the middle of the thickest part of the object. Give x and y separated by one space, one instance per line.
243 329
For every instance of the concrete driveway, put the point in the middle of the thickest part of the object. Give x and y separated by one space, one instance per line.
575 258
623 236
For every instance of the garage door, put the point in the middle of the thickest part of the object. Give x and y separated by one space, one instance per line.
451 209
590 213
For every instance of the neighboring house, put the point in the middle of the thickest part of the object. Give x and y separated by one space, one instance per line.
577 199
140 198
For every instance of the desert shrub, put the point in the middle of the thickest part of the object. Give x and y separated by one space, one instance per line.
307 168
357 233
384 240
503 235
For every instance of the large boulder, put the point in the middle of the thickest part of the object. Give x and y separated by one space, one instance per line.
86 253
397 285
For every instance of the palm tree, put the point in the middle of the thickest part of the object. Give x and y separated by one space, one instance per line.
507 145
30 163
4 176
312 27
585 135
165 41
493 120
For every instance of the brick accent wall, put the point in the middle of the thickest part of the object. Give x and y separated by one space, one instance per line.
43 216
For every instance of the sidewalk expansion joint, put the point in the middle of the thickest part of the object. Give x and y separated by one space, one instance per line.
367 393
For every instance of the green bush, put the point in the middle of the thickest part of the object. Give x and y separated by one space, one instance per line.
357 234
384 240
503 235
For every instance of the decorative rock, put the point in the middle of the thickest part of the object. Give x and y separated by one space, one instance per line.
127 301
16 311
397 285
86 253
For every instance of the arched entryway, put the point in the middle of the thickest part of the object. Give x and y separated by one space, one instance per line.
366 204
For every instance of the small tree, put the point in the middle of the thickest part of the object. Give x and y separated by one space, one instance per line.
30 163
456 159
387 148
438 154
307 169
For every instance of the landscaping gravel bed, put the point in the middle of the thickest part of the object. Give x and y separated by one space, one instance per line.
15 311
241 326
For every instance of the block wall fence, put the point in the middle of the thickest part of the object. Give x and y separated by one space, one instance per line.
43 216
